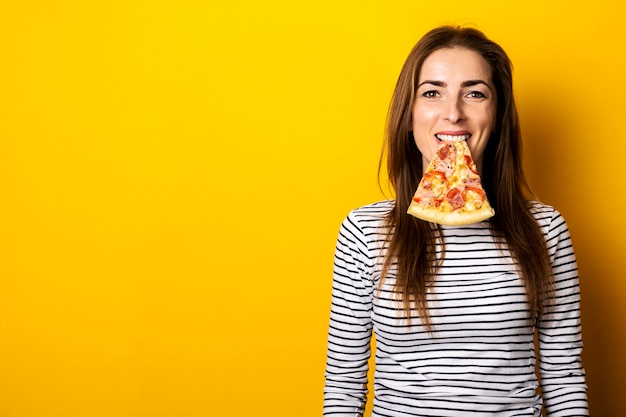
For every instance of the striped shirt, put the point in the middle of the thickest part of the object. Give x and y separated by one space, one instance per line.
480 359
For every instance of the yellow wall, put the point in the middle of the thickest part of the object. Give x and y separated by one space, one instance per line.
173 175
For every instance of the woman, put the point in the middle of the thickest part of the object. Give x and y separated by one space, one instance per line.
455 309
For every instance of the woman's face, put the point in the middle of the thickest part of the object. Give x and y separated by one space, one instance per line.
455 100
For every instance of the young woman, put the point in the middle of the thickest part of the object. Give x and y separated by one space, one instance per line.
455 310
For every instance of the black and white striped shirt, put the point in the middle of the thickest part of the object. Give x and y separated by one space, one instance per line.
480 360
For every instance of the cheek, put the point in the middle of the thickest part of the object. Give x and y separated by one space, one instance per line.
423 122
483 118
422 115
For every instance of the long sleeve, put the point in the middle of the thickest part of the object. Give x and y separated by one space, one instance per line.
350 329
559 333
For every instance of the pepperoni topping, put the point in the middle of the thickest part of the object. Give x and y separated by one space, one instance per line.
445 152
455 198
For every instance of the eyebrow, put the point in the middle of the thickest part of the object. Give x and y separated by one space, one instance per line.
467 83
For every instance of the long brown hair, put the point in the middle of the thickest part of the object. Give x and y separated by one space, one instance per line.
412 242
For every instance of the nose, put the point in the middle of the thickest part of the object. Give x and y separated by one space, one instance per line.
454 110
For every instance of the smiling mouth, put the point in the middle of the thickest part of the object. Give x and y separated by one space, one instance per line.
452 138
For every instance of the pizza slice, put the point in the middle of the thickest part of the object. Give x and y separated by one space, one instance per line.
450 191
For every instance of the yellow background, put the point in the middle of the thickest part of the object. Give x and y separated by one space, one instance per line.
173 176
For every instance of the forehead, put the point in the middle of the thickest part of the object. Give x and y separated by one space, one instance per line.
455 64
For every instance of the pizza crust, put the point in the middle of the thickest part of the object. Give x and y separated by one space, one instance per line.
451 218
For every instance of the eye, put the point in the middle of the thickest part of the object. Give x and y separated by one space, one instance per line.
430 94
476 94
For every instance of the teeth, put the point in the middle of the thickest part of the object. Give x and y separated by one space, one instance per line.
452 138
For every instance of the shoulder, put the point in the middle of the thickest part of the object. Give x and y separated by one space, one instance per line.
540 210
372 212
368 221
549 219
